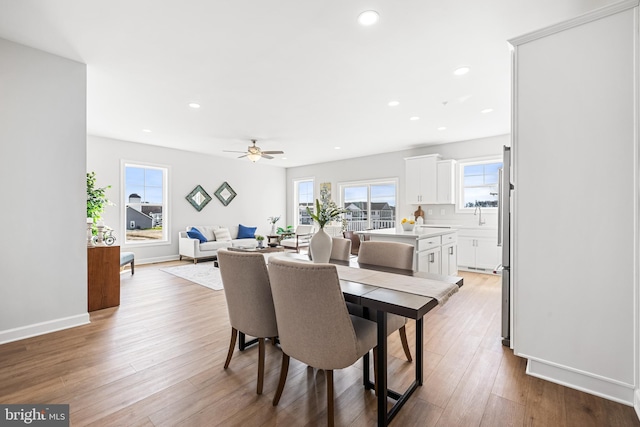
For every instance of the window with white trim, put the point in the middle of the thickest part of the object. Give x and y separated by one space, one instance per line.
478 183
369 204
145 203
303 194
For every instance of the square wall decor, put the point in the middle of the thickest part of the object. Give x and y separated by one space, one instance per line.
225 193
198 198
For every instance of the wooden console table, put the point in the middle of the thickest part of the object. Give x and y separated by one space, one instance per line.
103 277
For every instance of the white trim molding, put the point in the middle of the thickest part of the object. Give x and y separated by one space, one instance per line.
579 20
42 328
584 381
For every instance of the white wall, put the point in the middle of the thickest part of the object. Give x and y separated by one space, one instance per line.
575 258
43 262
258 187
391 165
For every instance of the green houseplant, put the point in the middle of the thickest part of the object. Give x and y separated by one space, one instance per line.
96 200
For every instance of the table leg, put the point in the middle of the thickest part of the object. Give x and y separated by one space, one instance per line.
382 368
419 350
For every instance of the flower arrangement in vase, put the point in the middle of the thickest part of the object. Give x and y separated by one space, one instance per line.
272 220
260 240
320 244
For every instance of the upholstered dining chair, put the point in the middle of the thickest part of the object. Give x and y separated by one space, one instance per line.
355 241
248 293
392 255
314 325
340 248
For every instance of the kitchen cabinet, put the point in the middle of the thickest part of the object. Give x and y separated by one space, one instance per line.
445 182
421 175
430 261
477 252
449 257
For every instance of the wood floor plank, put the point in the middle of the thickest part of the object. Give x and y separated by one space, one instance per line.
157 360
501 412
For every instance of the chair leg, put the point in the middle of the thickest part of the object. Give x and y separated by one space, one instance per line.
405 343
234 335
284 369
375 370
260 365
133 267
330 415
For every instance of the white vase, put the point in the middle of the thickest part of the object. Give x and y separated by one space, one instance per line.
320 246
273 230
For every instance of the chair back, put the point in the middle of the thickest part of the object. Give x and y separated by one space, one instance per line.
386 254
313 323
304 229
355 241
248 293
340 248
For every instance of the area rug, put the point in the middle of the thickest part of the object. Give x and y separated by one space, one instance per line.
204 274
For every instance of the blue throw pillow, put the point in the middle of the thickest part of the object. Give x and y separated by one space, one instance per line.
246 232
194 233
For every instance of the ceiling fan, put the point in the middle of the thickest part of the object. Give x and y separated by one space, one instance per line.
254 153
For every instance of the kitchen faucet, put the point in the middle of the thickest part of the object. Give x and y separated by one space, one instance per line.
478 212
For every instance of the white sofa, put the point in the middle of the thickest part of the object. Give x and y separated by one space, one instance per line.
192 248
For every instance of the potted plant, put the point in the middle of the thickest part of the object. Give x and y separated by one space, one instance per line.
321 242
96 201
260 240
272 220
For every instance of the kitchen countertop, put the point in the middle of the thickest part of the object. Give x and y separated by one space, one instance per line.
421 232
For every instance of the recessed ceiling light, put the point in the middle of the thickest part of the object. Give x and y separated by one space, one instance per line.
283 158
368 17
414 118
442 128
146 130
486 110
461 71
393 103
194 105
336 148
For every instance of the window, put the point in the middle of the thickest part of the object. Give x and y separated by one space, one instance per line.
479 184
369 205
303 198
145 203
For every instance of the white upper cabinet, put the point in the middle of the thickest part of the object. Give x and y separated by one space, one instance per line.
445 190
430 180
421 179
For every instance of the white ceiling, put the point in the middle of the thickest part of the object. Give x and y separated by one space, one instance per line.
300 76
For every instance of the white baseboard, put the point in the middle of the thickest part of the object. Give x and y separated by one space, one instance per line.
43 328
636 402
157 259
606 388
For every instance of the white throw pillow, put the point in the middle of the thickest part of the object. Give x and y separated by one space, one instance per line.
222 235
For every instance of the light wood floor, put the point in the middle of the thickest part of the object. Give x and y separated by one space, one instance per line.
157 361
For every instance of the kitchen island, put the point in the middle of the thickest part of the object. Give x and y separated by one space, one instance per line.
436 248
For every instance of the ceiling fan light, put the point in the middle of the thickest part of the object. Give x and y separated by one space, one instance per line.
254 157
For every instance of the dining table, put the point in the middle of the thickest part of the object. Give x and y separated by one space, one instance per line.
407 293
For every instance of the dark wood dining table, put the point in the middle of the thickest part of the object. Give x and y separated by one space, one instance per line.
374 296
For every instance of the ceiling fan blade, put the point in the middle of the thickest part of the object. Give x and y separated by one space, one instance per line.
229 151
273 152
242 155
266 156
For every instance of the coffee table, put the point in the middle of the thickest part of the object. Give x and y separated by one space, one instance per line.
266 250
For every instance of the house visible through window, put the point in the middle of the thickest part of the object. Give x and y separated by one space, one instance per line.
369 205
303 199
479 184
145 195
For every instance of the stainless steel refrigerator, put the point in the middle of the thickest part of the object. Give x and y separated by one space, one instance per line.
504 240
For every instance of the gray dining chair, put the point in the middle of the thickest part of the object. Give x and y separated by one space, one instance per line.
340 248
314 325
392 255
248 293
